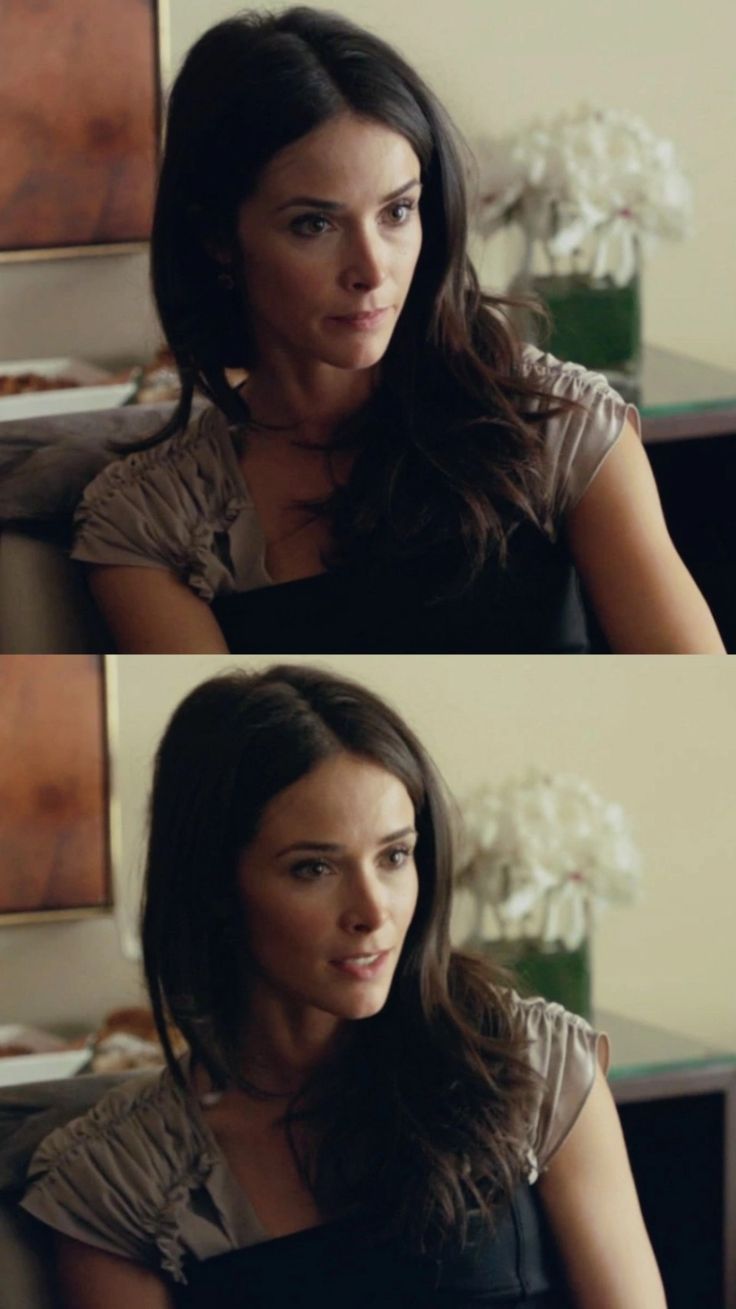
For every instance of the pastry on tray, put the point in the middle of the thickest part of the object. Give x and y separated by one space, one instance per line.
128 1039
22 383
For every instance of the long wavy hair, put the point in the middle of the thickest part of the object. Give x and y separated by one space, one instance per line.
449 447
423 1113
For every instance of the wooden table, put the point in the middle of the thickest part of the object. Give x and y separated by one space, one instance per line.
688 410
677 1102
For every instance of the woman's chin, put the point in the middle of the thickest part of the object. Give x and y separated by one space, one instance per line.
356 353
361 1006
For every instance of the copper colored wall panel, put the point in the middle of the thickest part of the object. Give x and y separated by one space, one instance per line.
54 848
78 93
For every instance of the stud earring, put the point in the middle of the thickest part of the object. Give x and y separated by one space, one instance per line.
226 281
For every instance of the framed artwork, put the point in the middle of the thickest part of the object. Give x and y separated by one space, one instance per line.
56 808
80 86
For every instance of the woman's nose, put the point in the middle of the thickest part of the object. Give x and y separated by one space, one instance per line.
365 264
365 906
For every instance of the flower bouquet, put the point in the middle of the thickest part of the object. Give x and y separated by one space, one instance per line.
540 858
591 191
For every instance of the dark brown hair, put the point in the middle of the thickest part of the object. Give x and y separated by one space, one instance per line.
423 1114
449 448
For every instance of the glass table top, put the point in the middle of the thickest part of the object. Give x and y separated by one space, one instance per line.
642 1049
669 384
672 383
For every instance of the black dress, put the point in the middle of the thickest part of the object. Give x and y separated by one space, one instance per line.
532 605
333 1267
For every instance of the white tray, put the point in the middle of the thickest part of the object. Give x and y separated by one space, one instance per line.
46 1063
94 390
17 1069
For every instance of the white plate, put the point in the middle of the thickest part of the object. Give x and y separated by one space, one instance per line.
16 1069
49 1058
93 392
38 1042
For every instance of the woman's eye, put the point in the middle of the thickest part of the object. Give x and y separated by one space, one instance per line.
307 224
403 208
310 870
397 857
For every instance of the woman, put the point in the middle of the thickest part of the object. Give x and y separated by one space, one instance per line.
362 1111
382 466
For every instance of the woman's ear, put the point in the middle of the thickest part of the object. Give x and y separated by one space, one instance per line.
219 252
214 246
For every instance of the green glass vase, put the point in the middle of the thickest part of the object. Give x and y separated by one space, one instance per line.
595 322
550 969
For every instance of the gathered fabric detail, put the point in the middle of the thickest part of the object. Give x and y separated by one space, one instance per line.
576 444
166 1229
122 1178
565 1050
172 506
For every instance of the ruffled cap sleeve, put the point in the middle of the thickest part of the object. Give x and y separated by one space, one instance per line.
576 443
565 1050
119 1178
171 506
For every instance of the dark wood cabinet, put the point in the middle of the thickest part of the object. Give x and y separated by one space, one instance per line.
688 411
677 1103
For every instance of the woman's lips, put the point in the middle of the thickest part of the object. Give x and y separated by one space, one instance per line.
362 322
364 972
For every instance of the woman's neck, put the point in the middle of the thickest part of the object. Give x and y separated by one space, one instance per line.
279 1054
310 408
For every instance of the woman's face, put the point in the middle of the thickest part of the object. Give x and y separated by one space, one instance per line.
328 888
332 231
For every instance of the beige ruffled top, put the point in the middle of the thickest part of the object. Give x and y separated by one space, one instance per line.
141 1174
185 506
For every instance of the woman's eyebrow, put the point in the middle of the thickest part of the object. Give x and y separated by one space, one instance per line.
333 205
330 847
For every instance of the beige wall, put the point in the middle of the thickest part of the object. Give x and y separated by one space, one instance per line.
496 67
656 734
